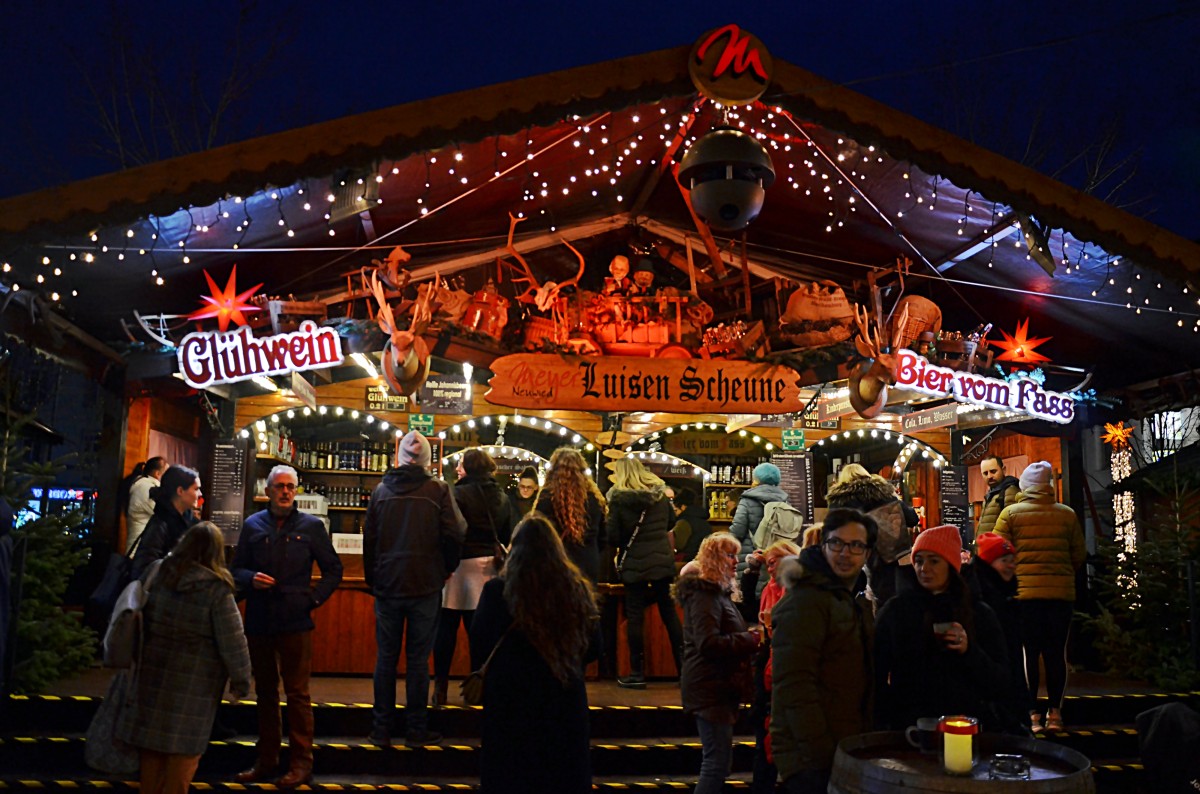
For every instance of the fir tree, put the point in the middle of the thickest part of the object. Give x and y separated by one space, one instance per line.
50 642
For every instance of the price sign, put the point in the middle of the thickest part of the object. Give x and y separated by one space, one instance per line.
793 438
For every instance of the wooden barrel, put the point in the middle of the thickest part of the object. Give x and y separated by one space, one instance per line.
878 762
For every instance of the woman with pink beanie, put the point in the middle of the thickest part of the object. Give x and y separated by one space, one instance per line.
939 651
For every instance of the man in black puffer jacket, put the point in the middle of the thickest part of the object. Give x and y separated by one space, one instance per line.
273 570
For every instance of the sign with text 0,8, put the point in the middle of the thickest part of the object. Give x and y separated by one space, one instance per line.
793 438
422 423
623 383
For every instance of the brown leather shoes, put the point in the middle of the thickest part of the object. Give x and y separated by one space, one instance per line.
256 774
294 778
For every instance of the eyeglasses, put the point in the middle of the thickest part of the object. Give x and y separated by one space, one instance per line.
284 486
837 546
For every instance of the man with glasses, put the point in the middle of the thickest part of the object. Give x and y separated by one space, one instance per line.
526 494
272 568
821 652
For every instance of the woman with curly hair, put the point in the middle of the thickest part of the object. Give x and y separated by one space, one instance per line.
572 501
716 646
539 617
193 644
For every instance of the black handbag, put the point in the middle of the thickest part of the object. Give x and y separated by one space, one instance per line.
117 576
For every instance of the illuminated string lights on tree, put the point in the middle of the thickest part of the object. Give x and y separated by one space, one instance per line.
1120 466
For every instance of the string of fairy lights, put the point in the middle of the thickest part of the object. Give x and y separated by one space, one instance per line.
607 148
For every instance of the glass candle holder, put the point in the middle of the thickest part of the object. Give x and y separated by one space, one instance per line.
958 743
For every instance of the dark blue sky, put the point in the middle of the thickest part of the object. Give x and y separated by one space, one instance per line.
1046 77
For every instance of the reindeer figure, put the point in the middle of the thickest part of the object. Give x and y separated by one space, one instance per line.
870 379
405 354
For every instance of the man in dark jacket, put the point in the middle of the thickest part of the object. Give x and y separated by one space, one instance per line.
691 525
273 570
412 541
1002 492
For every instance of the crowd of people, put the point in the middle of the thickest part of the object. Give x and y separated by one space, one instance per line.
833 632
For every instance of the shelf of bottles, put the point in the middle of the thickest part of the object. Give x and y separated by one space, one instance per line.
727 478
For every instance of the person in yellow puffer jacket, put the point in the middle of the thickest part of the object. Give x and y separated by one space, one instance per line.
1050 550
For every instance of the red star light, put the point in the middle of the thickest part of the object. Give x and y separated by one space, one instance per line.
1019 347
226 304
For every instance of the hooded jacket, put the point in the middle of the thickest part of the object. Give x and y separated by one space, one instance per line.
821 663
287 553
1049 543
715 645
413 535
865 494
486 510
650 556
749 515
999 496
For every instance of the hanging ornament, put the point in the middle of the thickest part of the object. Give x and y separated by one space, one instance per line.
1116 435
1019 347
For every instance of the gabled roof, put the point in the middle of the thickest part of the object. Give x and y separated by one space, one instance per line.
859 185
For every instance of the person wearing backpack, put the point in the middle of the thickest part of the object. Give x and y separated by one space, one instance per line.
751 507
858 489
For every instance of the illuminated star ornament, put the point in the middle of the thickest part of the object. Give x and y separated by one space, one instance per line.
1019 347
1116 436
226 304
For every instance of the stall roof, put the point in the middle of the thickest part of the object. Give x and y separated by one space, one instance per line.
581 154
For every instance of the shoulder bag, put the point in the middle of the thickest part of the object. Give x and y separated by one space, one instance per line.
632 538
471 688
499 550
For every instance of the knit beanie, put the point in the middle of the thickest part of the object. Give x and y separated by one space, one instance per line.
414 449
944 541
767 473
1036 474
990 547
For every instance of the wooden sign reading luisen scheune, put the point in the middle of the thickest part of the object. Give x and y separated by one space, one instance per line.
623 383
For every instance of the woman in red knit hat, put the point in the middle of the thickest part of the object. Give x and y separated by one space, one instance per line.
937 649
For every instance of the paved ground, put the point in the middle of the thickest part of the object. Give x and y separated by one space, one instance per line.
357 689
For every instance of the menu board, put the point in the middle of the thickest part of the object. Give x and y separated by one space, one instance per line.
226 491
795 478
956 505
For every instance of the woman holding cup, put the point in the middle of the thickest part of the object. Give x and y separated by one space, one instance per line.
938 650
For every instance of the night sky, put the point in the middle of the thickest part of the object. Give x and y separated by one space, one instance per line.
1034 81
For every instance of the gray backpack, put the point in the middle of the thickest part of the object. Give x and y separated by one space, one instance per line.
780 521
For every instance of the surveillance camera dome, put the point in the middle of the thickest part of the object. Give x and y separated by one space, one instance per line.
727 173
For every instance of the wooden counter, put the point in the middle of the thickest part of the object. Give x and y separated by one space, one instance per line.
344 640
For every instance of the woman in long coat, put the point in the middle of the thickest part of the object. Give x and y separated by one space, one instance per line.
639 520
193 643
716 650
573 502
540 617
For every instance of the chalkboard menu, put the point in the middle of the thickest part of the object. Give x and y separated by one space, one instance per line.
956 506
226 491
795 478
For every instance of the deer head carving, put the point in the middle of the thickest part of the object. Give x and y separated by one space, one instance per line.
870 379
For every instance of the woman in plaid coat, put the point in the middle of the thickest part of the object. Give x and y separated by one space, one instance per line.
193 645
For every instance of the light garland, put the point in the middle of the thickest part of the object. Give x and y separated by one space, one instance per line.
545 426
1124 503
674 460
908 446
700 427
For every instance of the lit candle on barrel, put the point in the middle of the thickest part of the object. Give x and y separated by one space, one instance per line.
958 745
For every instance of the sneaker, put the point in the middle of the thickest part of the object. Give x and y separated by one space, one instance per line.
1035 720
422 738
632 681
379 737
1054 720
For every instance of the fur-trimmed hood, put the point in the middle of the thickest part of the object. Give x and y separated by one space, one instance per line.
687 586
863 493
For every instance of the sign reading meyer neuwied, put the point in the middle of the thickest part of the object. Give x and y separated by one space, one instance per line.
210 357
1022 395
617 383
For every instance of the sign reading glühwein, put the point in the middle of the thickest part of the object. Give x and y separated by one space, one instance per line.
210 357
1022 395
616 383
